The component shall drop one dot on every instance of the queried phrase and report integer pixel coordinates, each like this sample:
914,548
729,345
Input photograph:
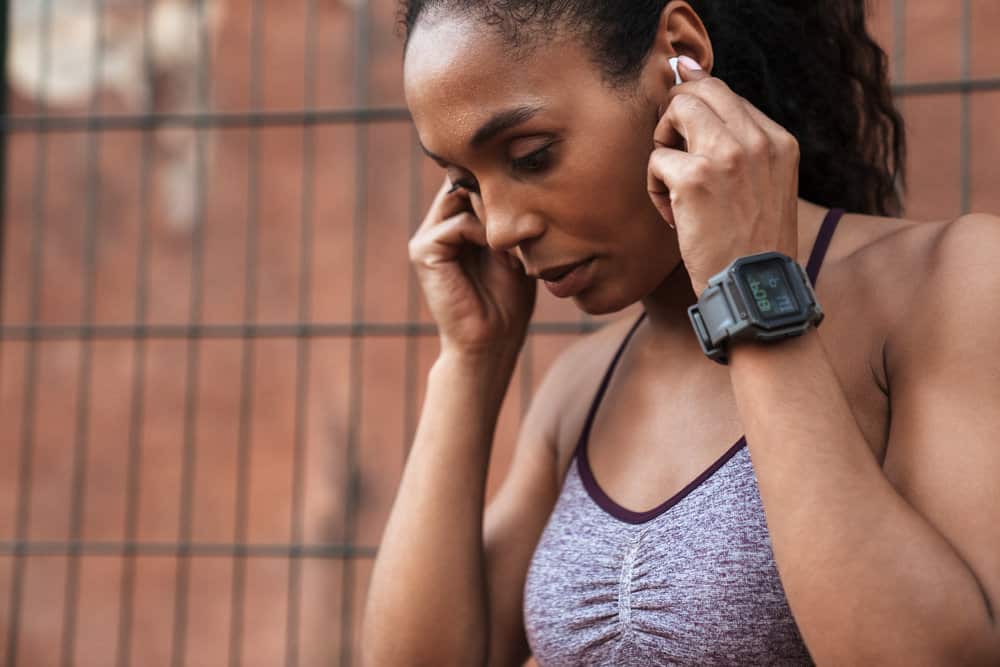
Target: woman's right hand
480,298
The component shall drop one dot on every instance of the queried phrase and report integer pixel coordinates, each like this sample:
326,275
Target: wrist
480,357
484,373
747,353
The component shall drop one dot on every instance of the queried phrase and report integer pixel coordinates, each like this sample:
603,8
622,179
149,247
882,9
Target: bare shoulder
882,244
967,245
876,268
889,286
956,280
915,248
569,386
894,275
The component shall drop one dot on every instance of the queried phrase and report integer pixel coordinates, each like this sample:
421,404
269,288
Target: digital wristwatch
765,297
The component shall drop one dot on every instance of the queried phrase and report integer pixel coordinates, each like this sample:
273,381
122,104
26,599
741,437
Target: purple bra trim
629,516
822,243
816,257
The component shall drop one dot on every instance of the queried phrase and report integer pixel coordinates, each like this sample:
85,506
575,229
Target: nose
508,225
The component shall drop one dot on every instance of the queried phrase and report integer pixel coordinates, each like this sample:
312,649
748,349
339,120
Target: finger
691,124
690,69
684,115
444,241
446,203
783,140
670,175
671,171
762,119
689,73
731,110
666,135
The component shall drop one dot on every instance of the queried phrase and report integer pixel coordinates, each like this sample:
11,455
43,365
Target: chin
594,302
615,291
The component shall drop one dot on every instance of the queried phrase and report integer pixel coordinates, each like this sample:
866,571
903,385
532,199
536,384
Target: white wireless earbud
677,75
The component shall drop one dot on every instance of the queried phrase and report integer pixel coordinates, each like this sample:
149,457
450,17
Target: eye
533,162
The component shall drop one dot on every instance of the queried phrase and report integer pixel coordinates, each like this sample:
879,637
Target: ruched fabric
696,585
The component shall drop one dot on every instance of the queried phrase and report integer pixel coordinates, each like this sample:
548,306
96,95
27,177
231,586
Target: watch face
767,284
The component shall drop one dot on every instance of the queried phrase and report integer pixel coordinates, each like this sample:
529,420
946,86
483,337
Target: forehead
458,72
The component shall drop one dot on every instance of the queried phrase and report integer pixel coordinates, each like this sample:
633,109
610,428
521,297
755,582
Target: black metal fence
27,334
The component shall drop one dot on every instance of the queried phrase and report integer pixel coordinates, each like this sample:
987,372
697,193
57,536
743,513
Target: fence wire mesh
213,351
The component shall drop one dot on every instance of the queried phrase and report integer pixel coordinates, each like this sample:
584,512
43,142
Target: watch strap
713,320
721,314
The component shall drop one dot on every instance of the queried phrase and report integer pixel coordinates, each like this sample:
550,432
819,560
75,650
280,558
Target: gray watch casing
765,297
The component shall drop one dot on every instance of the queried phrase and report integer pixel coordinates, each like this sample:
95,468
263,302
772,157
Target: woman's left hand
734,191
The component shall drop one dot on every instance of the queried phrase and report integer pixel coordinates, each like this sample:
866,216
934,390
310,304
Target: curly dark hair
811,65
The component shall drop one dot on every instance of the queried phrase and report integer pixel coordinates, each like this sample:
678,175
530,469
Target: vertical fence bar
898,40
966,136
899,73
361,59
302,347
133,474
244,439
193,350
88,309
25,472
4,30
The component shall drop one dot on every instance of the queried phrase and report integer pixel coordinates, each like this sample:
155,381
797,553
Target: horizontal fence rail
36,123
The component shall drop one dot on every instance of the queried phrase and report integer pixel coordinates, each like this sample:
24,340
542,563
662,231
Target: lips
557,273
568,280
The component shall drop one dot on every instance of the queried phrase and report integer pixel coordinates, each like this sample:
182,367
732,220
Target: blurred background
212,350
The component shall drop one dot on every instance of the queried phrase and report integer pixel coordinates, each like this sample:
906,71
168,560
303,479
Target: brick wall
217,424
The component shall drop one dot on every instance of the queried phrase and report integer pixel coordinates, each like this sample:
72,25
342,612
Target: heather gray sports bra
690,582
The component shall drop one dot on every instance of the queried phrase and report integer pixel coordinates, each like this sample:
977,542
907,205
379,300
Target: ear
680,33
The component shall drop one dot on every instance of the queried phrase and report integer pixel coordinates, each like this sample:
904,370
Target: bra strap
822,243
820,247
599,396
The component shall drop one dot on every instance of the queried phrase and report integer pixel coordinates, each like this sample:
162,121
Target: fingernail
689,63
677,75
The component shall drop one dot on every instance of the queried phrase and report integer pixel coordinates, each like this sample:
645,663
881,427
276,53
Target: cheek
649,253
614,188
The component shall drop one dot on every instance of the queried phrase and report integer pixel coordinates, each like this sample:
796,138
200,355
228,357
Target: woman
856,519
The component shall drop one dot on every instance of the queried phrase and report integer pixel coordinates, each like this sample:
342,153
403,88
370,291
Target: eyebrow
500,122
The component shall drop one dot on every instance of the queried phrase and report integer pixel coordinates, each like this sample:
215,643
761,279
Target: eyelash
539,161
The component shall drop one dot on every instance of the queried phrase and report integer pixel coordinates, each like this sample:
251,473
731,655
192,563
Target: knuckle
415,249
698,174
653,162
663,125
790,145
731,159
714,84
459,219
759,146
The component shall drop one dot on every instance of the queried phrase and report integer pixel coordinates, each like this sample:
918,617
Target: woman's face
563,181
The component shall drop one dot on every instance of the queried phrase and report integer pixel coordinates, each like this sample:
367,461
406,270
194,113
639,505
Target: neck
666,307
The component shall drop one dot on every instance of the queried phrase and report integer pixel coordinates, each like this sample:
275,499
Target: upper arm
943,452
515,518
